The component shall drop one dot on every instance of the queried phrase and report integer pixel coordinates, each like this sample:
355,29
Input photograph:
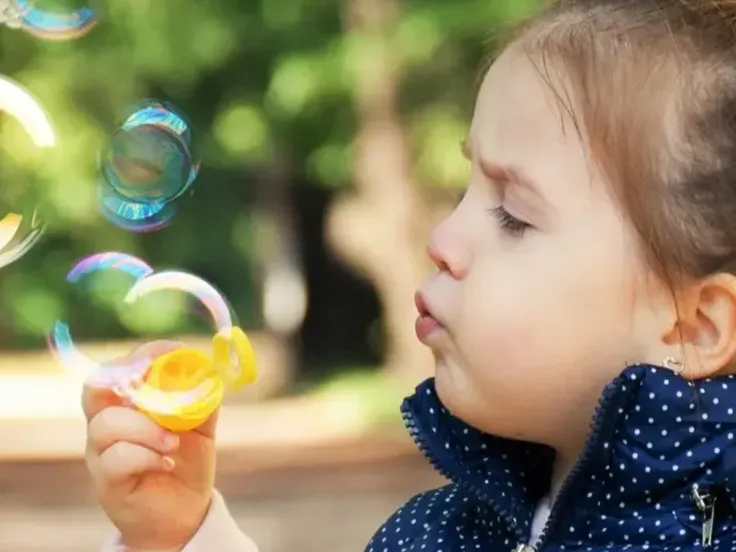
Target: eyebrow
503,175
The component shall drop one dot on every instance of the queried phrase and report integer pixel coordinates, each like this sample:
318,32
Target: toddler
582,313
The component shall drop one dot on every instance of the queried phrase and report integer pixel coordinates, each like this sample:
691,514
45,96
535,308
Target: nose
447,248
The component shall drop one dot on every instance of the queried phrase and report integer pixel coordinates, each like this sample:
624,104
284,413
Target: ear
705,329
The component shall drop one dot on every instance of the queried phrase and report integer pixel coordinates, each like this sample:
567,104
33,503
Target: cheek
535,341
547,309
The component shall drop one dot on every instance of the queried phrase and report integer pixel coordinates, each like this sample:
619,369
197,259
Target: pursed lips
426,323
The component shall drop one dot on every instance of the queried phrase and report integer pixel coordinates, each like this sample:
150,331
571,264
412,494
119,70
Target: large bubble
179,389
147,165
47,19
20,223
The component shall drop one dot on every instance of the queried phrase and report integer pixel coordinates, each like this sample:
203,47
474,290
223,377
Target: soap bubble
133,216
18,233
20,224
178,389
146,167
50,23
149,158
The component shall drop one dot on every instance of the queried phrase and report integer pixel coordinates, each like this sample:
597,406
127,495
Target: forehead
520,123
513,93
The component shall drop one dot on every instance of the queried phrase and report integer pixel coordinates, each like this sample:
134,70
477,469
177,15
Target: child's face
535,323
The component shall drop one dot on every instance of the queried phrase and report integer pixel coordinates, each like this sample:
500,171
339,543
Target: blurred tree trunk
380,226
281,268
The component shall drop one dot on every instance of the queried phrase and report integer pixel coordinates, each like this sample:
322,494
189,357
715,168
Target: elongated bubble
176,388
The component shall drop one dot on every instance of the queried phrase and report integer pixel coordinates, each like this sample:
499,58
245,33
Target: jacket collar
653,436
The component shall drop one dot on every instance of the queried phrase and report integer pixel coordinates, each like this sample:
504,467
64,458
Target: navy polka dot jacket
658,473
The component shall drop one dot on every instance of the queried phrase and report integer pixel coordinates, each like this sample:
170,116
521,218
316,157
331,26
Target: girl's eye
509,224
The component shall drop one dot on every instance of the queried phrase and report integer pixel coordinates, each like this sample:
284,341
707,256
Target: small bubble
47,19
134,216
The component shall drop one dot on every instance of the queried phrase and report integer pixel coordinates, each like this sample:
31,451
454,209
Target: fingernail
169,463
171,441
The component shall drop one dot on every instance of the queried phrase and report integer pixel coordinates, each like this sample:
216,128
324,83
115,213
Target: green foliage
252,76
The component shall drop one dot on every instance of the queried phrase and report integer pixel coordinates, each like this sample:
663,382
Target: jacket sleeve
217,532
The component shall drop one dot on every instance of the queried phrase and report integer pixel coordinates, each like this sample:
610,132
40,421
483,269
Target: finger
123,460
95,398
120,423
208,428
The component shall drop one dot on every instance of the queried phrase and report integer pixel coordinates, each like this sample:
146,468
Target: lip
421,303
426,324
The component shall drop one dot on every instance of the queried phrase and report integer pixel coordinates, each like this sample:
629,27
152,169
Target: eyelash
509,223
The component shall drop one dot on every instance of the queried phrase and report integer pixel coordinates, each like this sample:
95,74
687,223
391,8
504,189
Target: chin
457,403
456,392
449,383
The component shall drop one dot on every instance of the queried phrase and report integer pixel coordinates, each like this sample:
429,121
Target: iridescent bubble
44,20
60,339
149,157
179,389
134,216
20,224
18,233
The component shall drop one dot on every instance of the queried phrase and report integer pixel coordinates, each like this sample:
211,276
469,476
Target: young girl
582,314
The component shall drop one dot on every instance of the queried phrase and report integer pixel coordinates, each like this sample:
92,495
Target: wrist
163,542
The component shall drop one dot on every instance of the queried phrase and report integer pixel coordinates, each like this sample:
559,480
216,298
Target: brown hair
654,85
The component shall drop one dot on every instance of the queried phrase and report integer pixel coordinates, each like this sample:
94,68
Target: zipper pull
706,503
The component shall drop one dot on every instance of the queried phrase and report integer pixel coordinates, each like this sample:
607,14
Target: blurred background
329,136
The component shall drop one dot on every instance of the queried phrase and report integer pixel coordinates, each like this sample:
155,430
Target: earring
677,366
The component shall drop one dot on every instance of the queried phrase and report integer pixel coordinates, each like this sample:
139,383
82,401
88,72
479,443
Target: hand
154,486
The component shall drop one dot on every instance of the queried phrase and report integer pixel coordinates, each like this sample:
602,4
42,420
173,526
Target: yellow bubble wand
182,388
185,386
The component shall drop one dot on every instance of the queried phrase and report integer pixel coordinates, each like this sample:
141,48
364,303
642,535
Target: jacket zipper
706,503
421,444
569,486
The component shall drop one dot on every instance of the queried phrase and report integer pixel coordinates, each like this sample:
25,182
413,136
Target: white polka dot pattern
653,437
